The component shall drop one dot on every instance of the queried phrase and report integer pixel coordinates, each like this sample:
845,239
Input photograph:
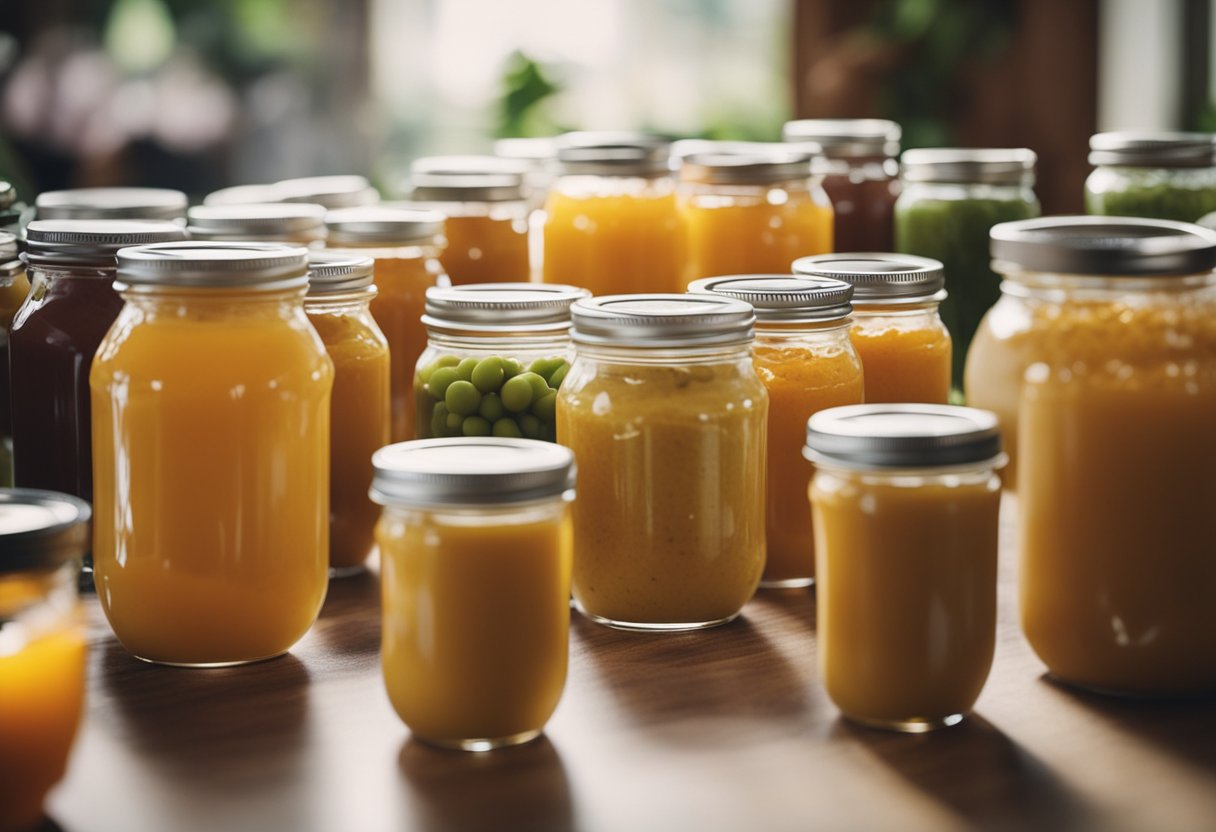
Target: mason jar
299,223
1162,175
161,204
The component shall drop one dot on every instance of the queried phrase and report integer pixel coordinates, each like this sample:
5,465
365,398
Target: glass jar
485,205
300,223
906,504
612,222
55,333
43,647
860,175
897,329
751,212
806,361
14,287
1102,356
112,204
480,338
338,305
475,575
667,417
332,192
952,197
211,398
405,244
1169,176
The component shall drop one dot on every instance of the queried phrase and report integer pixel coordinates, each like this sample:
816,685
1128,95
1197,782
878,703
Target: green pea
544,367
441,379
462,397
475,426
511,368
488,374
516,394
491,407
454,421
465,368
447,361
439,420
507,428
545,408
423,375
530,426
559,375
540,387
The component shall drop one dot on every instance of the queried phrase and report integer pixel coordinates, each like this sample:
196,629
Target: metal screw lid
611,153
847,138
499,307
471,471
967,165
1153,149
41,530
92,243
112,203
662,321
467,179
331,273
878,436
330,191
1103,246
782,298
256,222
880,277
382,224
746,167
214,265
8,246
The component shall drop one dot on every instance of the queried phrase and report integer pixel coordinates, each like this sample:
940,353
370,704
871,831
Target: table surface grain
727,729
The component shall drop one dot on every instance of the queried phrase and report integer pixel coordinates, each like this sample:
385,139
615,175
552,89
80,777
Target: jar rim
41,530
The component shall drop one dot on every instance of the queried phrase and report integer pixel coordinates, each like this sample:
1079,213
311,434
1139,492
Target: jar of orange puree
664,410
804,357
475,575
43,535
906,501
1101,354
904,346
211,397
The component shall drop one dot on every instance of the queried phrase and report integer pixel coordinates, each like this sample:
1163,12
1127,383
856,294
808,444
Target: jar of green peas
496,355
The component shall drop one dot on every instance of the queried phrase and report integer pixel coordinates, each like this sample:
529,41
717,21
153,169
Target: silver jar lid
847,138
878,436
8,195
498,307
92,243
384,224
970,165
471,471
331,273
41,530
880,277
112,204
662,321
8,246
214,265
243,195
746,167
256,222
532,149
331,191
1153,149
611,153
467,179
1103,246
783,298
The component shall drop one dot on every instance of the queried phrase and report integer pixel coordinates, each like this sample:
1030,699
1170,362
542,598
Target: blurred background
199,94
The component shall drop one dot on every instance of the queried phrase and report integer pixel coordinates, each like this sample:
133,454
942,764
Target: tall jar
157,204
211,397
1101,355
952,197
14,287
43,647
475,577
612,222
1168,176
668,420
299,223
56,331
860,174
496,355
751,212
405,245
338,305
897,328
805,359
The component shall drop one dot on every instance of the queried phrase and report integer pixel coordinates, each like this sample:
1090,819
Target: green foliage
527,87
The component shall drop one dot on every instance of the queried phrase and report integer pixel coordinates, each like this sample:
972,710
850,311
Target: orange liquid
906,357
211,466
486,249
11,298
476,620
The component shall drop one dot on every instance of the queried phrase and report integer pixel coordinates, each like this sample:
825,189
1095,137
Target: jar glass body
211,509
359,419
671,444
1182,194
476,609
487,242
863,193
13,290
906,594
906,351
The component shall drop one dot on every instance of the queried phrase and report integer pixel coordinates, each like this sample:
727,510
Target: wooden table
727,729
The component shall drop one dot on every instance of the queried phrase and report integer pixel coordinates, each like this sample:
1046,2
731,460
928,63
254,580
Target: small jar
612,222
54,336
806,361
14,287
481,338
475,576
897,329
952,197
1101,357
860,175
338,305
211,398
405,244
1168,176
484,201
332,192
751,212
906,503
43,647
299,223
668,419
112,204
